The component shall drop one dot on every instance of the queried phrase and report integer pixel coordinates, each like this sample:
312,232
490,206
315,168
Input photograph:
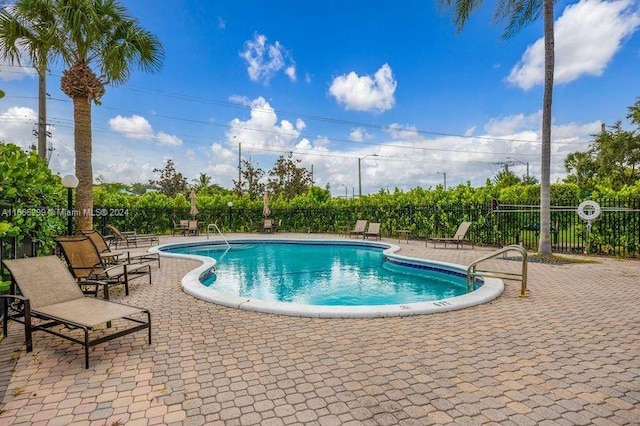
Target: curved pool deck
567,354
191,284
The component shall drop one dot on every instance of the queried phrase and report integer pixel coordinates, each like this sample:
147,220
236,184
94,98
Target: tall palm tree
519,14
25,26
100,34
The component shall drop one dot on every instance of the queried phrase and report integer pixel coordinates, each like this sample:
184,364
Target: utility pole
444,174
240,166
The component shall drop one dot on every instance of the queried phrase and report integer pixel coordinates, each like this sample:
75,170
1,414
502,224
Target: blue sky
336,81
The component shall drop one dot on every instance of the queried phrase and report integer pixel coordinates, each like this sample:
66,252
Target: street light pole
360,172
70,182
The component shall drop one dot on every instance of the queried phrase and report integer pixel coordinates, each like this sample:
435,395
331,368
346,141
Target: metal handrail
472,272
215,225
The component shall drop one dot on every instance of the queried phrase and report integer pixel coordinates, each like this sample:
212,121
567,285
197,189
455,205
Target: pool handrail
472,272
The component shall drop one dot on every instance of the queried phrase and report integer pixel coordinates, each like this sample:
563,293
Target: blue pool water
323,274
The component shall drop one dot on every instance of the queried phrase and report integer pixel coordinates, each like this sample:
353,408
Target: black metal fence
615,233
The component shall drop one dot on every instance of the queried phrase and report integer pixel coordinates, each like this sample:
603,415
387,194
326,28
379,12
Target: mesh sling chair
373,230
359,229
459,238
89,269
131,238
115,257
51,301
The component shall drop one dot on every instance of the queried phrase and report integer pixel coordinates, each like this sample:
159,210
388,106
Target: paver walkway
567,355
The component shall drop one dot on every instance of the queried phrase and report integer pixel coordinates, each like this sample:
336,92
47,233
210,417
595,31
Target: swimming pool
325,278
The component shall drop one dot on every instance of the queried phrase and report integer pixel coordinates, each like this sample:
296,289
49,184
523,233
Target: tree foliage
171,182
86,35
251,184
32,199
612,160
287,179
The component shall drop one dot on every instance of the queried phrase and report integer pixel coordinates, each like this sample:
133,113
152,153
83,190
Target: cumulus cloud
262,129
17,124
359,134
137,127
365,93
513,124
265,60
399,131
587,35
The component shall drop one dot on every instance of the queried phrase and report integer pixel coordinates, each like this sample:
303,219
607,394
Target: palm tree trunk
84,170
544,247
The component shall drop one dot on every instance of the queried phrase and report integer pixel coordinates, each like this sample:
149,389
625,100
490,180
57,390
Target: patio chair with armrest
51,301
192,227
117,257
359,229
130,238
373,230
181,227
459,238
90,271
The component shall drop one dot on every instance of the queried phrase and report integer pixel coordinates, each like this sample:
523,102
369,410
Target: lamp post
360,173
230,205
444,174
70,182
523,163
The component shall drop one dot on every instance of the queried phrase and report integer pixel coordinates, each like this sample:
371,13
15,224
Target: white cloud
399,131
240,100
17,125
137,127
587,35
8,73
266,60
134,127
359,134
263,130
366,93
512,124
165,139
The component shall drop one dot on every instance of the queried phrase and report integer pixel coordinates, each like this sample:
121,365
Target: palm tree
25,26
519,14
83,33
97,33
202,181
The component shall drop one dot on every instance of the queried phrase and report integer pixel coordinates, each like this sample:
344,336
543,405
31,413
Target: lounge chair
181,227
359,229
373,230
459,238
50,298
116,257
131,238
90,270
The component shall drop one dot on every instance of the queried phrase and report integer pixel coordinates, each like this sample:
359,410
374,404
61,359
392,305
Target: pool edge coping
490,290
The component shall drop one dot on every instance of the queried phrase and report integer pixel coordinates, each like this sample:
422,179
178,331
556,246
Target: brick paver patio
567,355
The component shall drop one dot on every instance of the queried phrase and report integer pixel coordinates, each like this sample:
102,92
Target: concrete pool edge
490,290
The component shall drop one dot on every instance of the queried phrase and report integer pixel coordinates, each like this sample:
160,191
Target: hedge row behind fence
616,232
